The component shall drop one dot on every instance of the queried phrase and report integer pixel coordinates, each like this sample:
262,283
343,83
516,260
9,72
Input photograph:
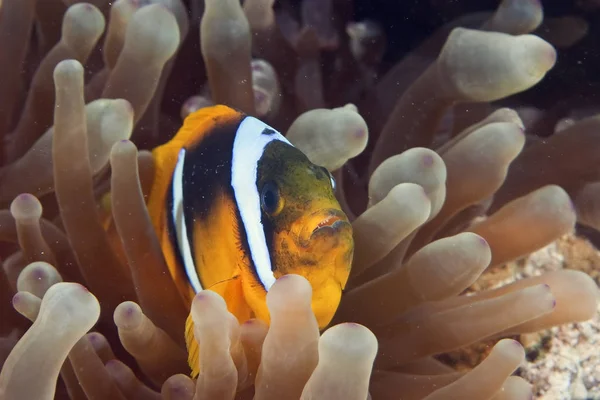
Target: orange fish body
236,206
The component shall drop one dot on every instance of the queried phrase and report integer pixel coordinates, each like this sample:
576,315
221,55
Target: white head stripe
179,222
248,148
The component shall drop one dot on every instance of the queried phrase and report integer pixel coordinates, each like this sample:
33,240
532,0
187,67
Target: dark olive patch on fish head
299,182
303,188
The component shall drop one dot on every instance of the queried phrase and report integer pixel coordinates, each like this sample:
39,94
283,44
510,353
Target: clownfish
235,206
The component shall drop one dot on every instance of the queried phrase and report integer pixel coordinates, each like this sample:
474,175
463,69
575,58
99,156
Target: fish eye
269,198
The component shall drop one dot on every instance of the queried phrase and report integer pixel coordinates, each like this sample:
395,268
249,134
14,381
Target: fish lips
332,224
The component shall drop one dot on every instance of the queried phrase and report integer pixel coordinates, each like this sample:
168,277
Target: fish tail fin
192,346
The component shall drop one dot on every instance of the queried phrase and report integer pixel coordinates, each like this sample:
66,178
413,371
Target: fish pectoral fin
231,290
192,347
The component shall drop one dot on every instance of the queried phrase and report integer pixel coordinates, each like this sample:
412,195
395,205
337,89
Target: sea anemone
442,183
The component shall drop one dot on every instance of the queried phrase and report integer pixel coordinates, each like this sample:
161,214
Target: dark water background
574,79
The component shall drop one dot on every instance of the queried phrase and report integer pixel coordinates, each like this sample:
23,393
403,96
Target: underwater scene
300,199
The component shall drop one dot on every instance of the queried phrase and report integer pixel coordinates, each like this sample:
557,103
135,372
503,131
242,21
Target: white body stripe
248,148
179,222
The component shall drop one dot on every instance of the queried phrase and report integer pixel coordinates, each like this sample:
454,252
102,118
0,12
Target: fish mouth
332,221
